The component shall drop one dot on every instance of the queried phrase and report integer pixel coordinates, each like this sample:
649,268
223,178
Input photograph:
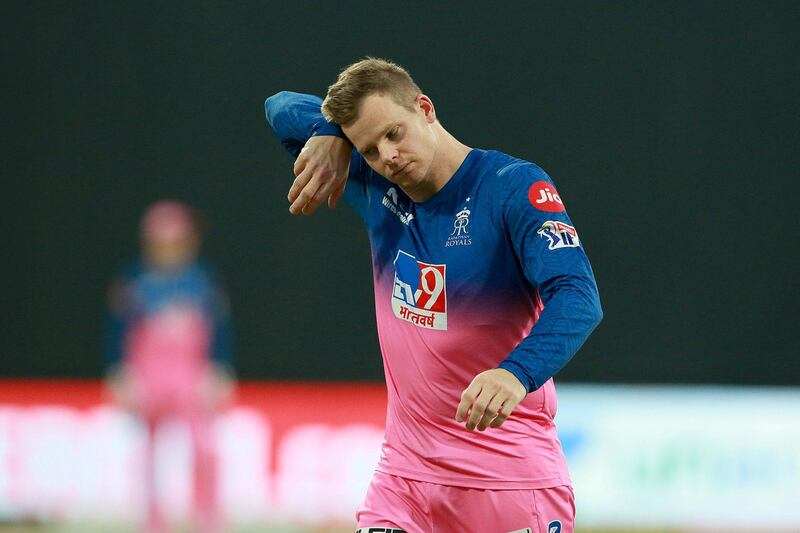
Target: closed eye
393,134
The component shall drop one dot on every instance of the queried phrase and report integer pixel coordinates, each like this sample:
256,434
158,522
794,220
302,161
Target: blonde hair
342,104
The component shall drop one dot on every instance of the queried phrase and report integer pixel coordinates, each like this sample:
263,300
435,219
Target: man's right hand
321,174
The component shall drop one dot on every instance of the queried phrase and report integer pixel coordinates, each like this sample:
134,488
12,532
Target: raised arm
323,152
296,117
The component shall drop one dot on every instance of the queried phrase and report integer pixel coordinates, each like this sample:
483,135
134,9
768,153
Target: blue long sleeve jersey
493,253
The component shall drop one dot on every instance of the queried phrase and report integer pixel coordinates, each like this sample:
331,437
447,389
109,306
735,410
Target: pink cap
168,220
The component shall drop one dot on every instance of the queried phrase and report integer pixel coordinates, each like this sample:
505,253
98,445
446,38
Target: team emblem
461,223
460,235
559,234
419,295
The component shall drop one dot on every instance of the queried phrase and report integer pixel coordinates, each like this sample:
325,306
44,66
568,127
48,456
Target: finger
305,196
301,162
505,412
323,192
336,195
491,413
314,202
467,397
299,184
326,184
478,409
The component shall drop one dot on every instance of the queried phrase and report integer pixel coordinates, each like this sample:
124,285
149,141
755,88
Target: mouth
401,170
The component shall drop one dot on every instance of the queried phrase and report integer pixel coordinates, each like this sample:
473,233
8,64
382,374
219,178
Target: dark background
670,128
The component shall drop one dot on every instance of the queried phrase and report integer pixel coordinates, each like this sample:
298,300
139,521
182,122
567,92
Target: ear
425,105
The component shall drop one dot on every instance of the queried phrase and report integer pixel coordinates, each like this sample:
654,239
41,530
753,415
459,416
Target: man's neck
449,158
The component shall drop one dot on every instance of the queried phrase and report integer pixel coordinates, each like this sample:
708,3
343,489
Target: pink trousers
205,509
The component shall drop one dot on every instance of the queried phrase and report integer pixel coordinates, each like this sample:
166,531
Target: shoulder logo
419,295
559,234
544,197
460,235
391,201
554,526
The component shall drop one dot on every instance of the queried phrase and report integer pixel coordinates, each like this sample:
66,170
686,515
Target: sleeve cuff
323,127
519,372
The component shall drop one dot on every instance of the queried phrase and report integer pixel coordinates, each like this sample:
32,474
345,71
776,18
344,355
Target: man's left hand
489,399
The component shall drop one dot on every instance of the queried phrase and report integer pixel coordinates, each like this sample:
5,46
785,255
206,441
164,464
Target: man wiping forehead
482,293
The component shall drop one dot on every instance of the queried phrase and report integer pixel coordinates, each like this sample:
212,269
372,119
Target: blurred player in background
169,348
482,293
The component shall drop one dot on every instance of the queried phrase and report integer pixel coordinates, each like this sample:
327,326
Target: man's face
170,253
398,143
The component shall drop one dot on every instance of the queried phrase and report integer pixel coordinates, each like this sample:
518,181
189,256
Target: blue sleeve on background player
118,317
295,118
220,312
114,335
556,266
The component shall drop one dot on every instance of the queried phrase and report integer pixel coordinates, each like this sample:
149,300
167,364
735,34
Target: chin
410,180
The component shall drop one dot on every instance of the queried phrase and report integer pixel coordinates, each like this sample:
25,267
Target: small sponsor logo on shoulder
559,234
554,526
391,201
419,295
543,196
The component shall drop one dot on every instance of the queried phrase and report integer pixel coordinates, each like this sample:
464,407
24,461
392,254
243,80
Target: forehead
378,113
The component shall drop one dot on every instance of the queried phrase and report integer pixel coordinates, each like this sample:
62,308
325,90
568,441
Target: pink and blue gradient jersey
143,298
489,272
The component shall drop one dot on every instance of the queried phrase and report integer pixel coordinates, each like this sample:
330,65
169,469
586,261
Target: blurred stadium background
671,129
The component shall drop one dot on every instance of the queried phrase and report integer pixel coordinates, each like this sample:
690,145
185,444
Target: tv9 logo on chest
419,294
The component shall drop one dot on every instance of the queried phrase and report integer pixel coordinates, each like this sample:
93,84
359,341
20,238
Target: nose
388,154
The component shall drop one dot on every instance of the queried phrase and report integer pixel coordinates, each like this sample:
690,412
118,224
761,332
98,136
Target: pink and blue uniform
489,272
167,329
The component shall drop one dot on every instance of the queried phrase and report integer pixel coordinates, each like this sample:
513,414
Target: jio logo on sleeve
544,197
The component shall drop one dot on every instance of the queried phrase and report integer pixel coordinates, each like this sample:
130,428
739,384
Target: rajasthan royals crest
460,235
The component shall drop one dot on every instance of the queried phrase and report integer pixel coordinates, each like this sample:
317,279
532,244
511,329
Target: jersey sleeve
554,263
222,345
119,316
295,118
115,326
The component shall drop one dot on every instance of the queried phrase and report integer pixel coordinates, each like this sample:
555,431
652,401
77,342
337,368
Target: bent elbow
598,317
597,312
277,97
274,103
